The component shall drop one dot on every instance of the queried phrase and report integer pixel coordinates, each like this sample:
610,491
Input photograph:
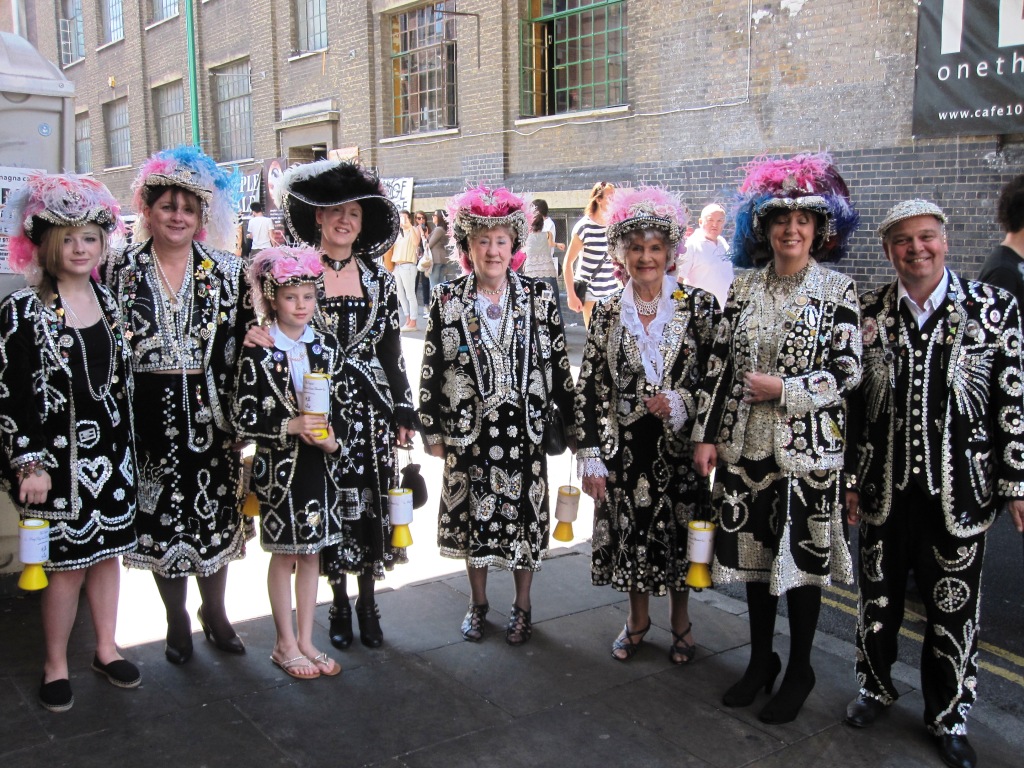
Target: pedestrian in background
589,275
706,262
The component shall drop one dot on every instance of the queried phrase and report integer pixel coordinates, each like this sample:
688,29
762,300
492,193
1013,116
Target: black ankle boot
370,633
758,675
341,625
793,692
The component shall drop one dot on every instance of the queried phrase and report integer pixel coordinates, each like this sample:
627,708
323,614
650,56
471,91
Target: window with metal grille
423,69
572,56
164,9
169,106
72,32
119,136
311,25
83,144
113,20
232,92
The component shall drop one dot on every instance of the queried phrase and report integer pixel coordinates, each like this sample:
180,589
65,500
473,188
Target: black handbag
580,286
555,440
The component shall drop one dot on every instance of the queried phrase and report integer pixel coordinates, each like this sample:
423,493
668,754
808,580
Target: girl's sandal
624,642
327,666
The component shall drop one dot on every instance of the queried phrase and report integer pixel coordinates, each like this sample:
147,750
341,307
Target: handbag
555,441
425,263
580,287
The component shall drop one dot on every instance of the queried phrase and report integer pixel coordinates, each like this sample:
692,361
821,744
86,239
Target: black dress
71,422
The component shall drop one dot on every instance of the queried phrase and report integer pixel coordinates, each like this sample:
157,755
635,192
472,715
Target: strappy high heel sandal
473,624
682,652
520,628
624,642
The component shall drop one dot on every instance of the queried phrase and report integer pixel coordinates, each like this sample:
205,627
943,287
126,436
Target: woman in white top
590,246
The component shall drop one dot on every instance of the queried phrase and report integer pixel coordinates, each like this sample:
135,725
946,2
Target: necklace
493,310
646,307
174,299
101,394
338,265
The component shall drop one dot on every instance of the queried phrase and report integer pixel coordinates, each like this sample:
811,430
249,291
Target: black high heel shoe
340,630
370,633
743,692
793,692
178,654
233,644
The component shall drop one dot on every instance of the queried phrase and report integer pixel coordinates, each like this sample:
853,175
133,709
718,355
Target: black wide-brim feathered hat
326,183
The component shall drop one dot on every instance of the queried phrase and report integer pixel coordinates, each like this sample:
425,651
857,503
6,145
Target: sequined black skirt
188,520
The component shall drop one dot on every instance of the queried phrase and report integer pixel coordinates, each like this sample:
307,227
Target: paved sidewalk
427,698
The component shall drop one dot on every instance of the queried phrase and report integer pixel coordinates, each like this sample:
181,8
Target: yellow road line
910,634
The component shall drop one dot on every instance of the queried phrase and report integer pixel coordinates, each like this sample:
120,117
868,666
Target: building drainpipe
193,85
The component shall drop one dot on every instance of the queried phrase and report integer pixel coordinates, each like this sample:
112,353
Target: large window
423,69
169,107
164,9
310,25
83,144
72,32
113,20
232,92
119,136
573,56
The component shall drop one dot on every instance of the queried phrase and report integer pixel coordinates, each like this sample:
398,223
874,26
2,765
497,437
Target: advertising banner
970,68
399,192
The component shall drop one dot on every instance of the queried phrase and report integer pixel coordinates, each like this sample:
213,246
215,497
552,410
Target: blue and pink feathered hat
808,182
189,168
51,200
274,268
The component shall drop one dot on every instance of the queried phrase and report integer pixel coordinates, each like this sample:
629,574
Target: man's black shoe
862,711
956,751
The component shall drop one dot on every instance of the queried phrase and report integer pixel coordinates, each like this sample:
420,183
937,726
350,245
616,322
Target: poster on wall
970,68
250,188
11,179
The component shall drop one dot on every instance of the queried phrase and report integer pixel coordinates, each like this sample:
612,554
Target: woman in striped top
587,257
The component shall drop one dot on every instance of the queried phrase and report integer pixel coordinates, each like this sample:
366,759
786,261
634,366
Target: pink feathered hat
54,200
275,268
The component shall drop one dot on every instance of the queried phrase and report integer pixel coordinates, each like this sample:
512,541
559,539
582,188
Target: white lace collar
649,339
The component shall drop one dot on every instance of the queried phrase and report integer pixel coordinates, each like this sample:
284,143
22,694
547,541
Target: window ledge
570,116
411,137
111,44
118,168
156,24
74,63
308,54
241,161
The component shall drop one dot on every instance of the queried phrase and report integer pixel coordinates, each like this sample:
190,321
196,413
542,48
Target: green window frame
572,56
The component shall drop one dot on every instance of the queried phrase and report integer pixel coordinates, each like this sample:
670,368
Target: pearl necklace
493,310
646,308
104,389
174,300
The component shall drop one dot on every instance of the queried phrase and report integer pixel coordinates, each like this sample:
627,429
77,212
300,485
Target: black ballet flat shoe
370,633
743,692
786,704
233,644
121,672
178,654
863,711
956,751
340,630
56,695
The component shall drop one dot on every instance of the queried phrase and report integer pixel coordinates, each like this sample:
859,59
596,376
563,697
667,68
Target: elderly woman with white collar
646,351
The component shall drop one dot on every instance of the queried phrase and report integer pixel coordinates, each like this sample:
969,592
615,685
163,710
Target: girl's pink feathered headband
282,266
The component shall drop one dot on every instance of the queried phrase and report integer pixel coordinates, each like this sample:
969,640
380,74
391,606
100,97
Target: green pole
193,85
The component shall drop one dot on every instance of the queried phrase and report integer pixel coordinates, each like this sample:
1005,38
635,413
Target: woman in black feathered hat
340,208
